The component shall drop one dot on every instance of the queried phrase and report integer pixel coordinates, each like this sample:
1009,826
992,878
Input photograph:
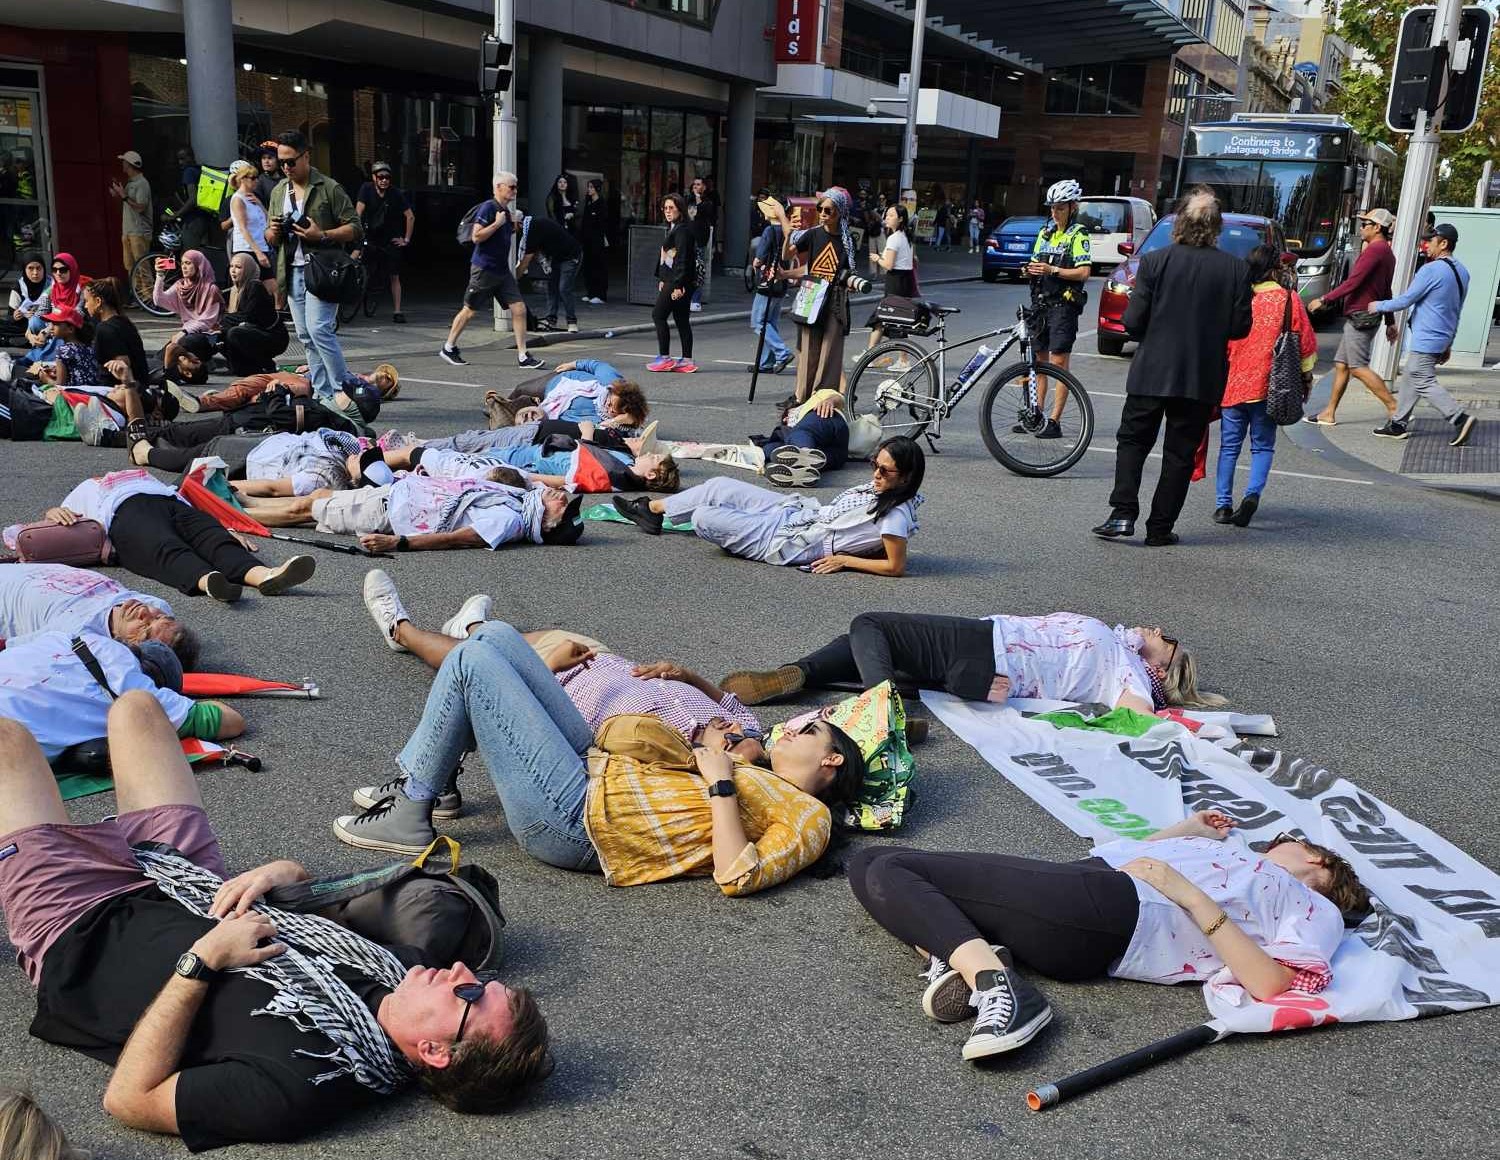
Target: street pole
504,124
1482,190
1416,188
913,87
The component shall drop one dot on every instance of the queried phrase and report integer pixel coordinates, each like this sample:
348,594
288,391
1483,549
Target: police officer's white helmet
1062,191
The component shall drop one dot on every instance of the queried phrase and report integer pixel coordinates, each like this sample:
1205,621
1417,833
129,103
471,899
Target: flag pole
1050,1094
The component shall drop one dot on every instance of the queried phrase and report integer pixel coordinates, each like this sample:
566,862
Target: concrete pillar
209,35
737,174
972,177
544,120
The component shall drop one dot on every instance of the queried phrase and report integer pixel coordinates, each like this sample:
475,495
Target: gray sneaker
447,808
396,824
946,998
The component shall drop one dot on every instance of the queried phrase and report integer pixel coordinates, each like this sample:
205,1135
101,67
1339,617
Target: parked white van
1111,221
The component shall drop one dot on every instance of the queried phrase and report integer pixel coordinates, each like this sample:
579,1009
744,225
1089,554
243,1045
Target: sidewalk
1424,457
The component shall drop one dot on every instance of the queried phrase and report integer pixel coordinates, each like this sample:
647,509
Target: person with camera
1060,264
823,255
770,291
388,221
310,212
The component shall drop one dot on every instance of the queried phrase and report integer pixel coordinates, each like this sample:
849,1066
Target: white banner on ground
1431,945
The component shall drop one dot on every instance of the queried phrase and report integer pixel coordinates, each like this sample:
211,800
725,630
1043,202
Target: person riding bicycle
388,219
1060,264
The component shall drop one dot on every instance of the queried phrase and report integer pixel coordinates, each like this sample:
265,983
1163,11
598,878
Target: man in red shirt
1369,281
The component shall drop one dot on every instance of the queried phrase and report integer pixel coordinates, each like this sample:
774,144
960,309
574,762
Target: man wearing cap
135,209
1368,281
1435,298
388,220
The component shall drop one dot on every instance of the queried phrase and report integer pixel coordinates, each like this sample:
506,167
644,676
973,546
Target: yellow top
649,819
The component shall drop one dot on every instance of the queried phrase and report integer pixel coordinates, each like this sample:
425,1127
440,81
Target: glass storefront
25,214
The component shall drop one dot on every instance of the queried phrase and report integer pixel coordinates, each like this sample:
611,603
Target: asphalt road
787,1025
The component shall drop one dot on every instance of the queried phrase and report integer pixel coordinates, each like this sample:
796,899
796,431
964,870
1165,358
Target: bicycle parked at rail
912,395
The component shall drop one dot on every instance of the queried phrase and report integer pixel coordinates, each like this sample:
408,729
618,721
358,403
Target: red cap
68,314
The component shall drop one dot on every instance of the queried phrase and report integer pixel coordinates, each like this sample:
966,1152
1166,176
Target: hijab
841,199
198,296
64,296
31,291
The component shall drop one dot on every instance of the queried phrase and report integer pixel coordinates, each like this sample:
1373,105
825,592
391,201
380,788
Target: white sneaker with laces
475,610
385,606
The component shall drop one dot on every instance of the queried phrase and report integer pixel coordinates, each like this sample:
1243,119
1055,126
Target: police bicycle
912,395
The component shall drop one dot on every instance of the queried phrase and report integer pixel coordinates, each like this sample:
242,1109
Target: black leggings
164,539
252,350
1068,920
952,653
176,445
681,312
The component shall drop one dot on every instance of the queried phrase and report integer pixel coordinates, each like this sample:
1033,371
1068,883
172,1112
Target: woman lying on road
637,811
1187,902
1062,656
866,527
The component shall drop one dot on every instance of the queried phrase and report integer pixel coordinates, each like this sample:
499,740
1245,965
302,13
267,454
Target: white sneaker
696,308
650,444
475,610
385,605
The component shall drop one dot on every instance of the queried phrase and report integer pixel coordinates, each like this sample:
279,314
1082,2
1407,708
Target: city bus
1309,172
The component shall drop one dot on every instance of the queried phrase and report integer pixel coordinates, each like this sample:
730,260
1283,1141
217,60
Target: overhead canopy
1085,32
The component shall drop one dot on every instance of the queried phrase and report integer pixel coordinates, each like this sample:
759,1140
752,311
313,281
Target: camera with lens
852,281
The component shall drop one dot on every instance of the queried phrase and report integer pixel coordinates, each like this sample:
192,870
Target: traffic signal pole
1417,184
504,125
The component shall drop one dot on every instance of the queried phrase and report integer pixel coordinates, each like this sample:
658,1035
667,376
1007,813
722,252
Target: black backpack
465,231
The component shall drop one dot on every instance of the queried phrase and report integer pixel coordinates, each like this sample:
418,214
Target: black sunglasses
471,993
382,176
60,269
286,162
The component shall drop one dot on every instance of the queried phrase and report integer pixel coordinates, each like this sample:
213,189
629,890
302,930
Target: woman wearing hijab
28,297
194,297
62,294
824,253
253,333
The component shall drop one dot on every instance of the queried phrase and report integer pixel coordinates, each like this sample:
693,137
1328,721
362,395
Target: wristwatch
724,788
190,966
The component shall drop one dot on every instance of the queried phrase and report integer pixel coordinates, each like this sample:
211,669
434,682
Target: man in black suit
1189,300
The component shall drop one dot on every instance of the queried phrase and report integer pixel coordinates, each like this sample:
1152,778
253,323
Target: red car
1242,232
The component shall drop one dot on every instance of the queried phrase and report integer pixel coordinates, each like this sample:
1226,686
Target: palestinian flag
196,489
235,685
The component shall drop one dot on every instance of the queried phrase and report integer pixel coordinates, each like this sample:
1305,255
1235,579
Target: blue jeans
315,320
768,310
560,290
1232,424
494,693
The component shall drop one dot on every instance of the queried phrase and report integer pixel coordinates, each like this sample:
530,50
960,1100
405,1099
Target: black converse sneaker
1010,1012
946,998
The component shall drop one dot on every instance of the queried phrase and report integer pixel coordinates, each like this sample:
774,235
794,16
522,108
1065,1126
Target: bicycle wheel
143,281
375,281
1014,419
347,310
901,388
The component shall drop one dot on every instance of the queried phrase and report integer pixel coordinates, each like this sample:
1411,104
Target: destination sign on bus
1270,145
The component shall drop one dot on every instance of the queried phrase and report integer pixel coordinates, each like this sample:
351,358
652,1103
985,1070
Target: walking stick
760,345
328,545
1048,1095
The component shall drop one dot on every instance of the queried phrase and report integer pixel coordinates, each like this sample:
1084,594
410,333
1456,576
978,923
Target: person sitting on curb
1157,910
587,390
227,1021
863,529
46,686
59,598
812,437
159,535
629,800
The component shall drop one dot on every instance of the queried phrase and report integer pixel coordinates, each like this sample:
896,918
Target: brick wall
833,35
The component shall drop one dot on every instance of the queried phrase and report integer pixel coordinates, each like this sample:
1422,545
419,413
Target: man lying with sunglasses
226,1020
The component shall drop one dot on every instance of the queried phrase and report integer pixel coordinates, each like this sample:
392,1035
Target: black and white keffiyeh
306,989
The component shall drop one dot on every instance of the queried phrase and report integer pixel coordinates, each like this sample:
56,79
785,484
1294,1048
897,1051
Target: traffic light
494,66
1418,70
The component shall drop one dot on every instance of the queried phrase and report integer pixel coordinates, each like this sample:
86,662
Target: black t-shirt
242,1079
117,337
385,217
824,250
545,236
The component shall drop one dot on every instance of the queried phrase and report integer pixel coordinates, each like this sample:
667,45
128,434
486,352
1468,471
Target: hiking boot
450,355
385,606
500,412
638,512
1010,1012
297,570
1463,427
446,809
946,998
474,610
1391,429
529,362
396,824
757,687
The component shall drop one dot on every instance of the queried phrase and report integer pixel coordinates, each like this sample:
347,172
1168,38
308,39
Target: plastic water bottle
981,356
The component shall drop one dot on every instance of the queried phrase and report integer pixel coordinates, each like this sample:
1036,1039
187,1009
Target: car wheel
1110,345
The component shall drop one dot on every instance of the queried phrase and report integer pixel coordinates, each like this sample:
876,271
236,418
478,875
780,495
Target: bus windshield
1302,196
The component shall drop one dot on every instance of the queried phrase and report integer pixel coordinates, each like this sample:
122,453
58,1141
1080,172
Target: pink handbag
83,544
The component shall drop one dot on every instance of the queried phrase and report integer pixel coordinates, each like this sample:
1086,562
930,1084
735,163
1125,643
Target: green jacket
327,205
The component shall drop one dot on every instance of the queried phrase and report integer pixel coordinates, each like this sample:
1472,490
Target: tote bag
1284,396
808,302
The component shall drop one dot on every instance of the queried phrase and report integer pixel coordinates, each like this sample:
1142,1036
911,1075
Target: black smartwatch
190,966
402,544
724,788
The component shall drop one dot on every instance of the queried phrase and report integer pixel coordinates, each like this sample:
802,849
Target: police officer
1060,264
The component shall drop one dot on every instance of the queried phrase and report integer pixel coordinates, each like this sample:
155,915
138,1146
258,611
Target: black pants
595,269
952,653
176,445
1068,920
164,539
681,312
1187,420
252,350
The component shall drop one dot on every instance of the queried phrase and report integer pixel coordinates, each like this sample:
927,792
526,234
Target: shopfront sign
796,31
